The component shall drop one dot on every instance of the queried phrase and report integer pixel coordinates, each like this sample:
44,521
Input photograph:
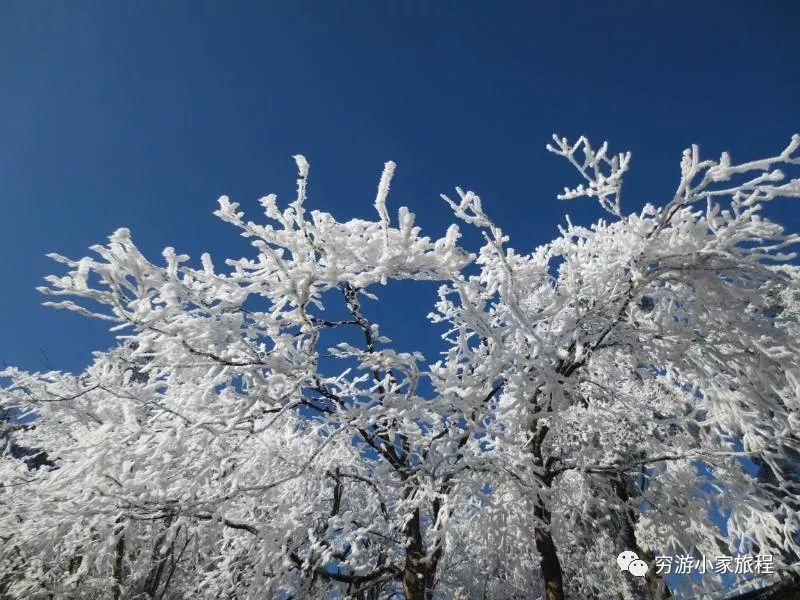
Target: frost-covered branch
254,432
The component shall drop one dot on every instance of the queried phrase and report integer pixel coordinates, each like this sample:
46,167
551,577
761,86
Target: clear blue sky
140,114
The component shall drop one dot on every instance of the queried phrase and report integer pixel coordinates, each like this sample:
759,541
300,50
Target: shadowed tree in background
255,435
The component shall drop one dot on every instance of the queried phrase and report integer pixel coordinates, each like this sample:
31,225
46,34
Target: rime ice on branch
628,385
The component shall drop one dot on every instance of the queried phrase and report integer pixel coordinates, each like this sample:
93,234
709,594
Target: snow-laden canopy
630,385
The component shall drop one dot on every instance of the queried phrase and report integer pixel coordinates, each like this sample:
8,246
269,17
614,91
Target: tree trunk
549,563
414,571
119,556
653,587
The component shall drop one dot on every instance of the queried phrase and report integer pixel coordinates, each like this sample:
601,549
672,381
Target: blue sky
141,114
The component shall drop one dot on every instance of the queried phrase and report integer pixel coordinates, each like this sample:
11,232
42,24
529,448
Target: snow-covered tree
614,389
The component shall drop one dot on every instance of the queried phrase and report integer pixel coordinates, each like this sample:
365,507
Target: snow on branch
602,173
255,433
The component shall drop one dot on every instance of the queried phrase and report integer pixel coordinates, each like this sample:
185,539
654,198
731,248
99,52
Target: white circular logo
625,559
637,568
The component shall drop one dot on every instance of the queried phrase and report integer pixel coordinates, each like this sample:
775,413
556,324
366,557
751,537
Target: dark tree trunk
545,546
119,556
414,571
653,587
549,563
